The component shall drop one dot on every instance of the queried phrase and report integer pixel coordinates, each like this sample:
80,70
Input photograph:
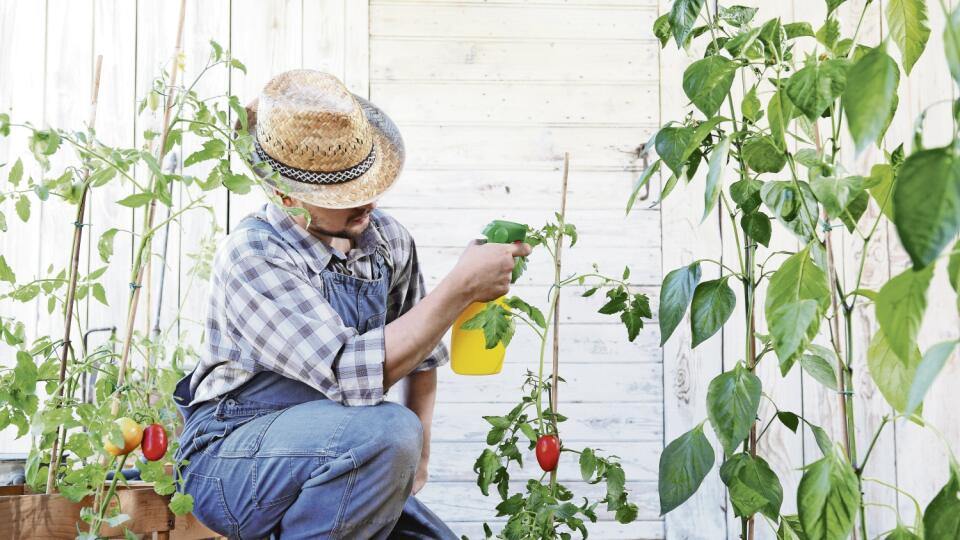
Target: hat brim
357,192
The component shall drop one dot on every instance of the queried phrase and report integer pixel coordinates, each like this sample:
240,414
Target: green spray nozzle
499,231
505,232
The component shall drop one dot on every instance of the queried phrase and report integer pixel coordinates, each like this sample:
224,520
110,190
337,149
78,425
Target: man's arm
420,397
482,274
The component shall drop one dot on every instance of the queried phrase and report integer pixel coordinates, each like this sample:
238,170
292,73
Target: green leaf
486,467
815,87
105,244
797,280
4,124
789,419
212,149
829,33
828,498
907,20
746,194
763,155
892,375
792,326
25,373
683,16
136,200
780,111
953,267
713,302
799,29
683,465
836,194
671,143
6,273
733,398
750,106
832,5
820,369
632,317
16,173
100,293
718,160
23,208
930,366
662,29
181,503
532,311
854,211
495,322
901,533
951,43
708,81
926,203
753,486
871,90
642,181
900,306
790,528
588,464
757,226
675,295
616,301
237,183
941,519
737,15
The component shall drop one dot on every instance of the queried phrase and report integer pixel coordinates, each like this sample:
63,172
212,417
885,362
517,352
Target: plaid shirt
267,310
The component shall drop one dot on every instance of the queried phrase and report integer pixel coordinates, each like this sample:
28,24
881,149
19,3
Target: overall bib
276,458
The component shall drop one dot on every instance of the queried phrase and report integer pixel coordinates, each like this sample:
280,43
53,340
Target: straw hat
331,148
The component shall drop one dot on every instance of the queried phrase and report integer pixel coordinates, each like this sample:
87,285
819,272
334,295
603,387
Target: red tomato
154,444
548,452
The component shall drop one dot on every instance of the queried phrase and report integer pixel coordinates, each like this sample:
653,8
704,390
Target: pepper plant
85,407
783,141
545,509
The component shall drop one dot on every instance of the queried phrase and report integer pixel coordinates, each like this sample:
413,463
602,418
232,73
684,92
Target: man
317,308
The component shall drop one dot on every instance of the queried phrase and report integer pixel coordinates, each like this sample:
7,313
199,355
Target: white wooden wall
489,95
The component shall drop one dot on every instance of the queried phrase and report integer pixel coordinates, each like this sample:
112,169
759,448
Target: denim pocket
210,505
245,435
374,322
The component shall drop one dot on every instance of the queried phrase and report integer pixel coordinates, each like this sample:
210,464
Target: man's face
332,222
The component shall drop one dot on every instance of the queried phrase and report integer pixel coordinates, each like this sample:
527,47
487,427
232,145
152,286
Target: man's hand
484,270
420,479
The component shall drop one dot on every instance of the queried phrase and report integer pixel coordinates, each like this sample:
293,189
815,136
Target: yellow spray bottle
468,351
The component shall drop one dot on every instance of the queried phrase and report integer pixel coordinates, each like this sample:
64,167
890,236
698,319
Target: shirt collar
316,252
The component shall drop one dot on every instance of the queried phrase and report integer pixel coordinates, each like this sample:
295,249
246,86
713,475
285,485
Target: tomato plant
782,143
83,405
545,508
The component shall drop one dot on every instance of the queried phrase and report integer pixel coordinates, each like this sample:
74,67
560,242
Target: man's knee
396,431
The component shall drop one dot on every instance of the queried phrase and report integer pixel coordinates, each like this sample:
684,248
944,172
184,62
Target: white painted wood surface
489,95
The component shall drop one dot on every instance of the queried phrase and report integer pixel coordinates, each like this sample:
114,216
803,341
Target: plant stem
117,472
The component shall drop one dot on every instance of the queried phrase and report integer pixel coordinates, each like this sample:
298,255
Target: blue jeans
317,469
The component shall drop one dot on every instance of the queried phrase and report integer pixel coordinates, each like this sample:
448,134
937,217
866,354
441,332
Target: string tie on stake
134,286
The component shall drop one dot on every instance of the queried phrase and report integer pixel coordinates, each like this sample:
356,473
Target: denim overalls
275,457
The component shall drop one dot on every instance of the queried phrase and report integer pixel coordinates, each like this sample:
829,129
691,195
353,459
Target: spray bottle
468,352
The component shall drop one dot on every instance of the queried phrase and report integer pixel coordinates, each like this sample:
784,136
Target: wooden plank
517,103
586,383
494,188
595,4
323,44
22,54
269,40
590,343
356,48
510,60
587,422
441,146
510,20
53,517
462,501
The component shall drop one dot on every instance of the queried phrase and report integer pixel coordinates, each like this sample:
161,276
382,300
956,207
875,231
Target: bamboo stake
554,384
148,222
72,284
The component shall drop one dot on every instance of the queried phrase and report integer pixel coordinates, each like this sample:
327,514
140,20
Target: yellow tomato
132,435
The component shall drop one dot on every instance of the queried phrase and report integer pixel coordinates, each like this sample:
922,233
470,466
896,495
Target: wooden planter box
24,515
